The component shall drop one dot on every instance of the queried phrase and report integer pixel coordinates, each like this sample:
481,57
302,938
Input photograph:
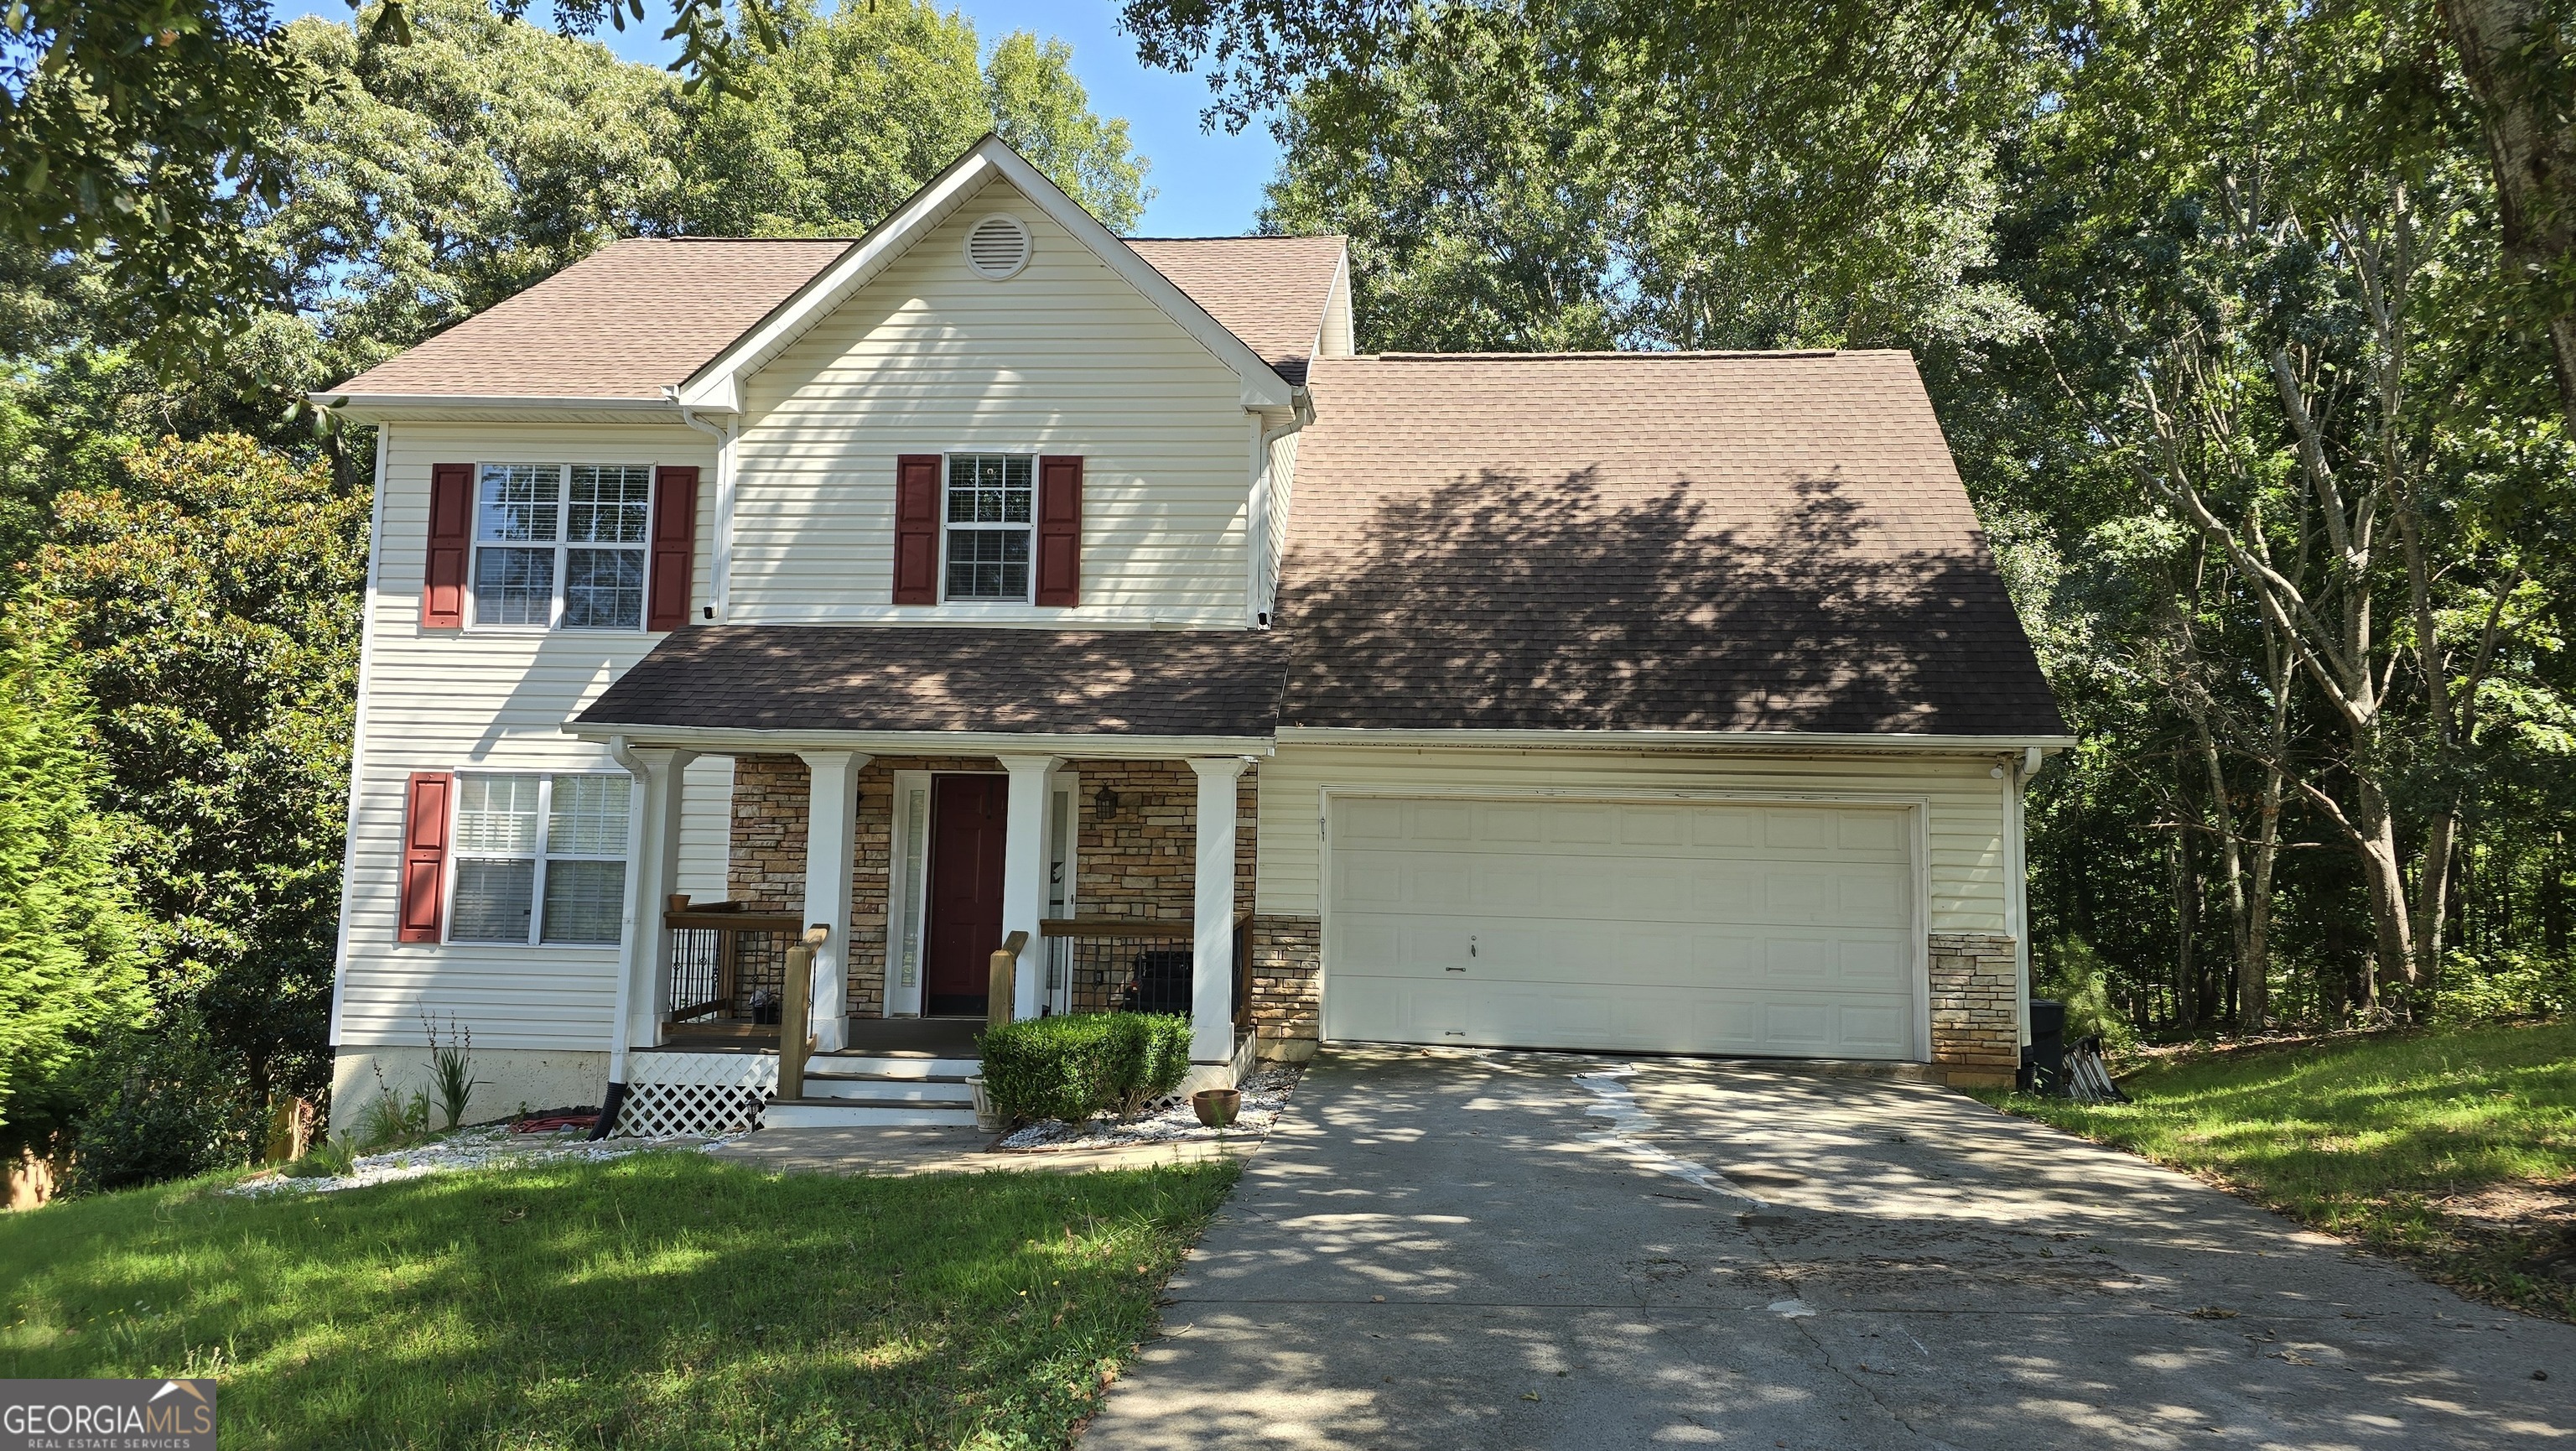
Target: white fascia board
464,407
718,384
718,741
1675,740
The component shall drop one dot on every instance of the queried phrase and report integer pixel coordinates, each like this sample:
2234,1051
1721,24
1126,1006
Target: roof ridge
1250,237
715,237
1658,354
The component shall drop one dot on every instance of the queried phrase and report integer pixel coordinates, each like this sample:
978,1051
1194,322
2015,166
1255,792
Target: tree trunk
2186,908
2231,863
2531,144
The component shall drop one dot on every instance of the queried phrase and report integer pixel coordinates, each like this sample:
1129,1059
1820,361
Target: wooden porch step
878,1065
834,1113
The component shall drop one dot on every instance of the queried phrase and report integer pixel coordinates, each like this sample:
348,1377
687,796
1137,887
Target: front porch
1077,884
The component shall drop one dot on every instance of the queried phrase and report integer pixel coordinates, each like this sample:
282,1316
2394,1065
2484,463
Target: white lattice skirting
695,1093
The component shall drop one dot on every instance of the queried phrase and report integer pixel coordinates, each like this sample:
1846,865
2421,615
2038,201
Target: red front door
966,815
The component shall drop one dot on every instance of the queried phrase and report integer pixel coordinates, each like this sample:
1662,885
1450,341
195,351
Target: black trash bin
2043,1060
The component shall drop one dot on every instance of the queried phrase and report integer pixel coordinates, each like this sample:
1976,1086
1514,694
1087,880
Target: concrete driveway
1450,1249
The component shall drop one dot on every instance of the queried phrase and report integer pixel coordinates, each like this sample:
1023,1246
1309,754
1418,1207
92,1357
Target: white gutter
1676,740
720,741
720,551
486,403
358,734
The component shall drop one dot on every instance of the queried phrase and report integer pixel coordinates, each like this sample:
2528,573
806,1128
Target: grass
660,1300
2456,1149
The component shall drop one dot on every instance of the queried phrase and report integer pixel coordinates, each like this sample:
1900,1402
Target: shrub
1078,1065
160,1106
2070,972
2503,987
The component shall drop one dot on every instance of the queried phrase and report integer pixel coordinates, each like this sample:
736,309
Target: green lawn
658,1300
2455,1148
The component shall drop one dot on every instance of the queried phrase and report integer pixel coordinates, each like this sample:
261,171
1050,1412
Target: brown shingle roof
934,678
638,315
1750,542
1269,291
622,322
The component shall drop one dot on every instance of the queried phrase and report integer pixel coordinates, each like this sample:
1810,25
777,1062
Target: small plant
391,1119
326,1159
451,1067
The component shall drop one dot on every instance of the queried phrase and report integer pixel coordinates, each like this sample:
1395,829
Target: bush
1075,1066
2503,987
160,1106
2070,973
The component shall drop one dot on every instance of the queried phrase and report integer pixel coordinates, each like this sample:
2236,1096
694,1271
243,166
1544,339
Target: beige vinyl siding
1964,804
1283,490
490,700
1063,358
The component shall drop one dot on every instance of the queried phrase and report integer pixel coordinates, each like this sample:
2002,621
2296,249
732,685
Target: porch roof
984,680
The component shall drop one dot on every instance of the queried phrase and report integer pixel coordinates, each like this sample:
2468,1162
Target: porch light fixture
1104,805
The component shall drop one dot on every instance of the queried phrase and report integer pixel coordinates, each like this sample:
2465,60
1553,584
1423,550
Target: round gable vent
997,247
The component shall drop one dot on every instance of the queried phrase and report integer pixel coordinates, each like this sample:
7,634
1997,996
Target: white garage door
1662,927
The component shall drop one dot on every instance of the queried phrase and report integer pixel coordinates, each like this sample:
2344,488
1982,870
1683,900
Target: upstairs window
561,546
540,859
990,512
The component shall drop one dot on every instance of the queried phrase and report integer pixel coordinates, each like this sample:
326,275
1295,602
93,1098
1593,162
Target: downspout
720,556
614,1100
1265,592
2017,875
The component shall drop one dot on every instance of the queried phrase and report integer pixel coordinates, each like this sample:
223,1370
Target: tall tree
210,609
68,970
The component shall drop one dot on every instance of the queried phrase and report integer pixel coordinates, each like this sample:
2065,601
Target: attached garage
1733,927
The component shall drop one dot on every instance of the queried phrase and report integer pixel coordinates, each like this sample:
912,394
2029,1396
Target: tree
68,970
211,610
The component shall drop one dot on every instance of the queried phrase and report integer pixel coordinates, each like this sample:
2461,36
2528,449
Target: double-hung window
990,513
561,546
539,859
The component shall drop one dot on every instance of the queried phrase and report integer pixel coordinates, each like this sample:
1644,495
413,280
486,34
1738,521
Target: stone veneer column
1976,1007
1287,986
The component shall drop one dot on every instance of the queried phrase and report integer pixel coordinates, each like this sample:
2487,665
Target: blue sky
1206,184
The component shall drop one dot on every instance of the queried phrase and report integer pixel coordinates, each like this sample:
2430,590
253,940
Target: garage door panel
1683,927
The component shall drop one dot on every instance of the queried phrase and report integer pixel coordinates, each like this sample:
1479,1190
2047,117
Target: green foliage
391,1119
68,969
326,1159
704,1304
211,611
158,1104
2069,972
2505,987
1073,1066
451,1067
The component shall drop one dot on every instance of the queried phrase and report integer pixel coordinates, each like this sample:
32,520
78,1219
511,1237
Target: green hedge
1078,1065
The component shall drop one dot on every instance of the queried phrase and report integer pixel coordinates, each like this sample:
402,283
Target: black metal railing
1115,964
728,964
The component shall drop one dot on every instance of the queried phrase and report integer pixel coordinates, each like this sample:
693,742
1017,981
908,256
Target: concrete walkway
1446,1249
897,1151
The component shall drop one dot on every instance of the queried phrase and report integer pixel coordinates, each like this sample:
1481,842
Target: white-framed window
988,518
561,546
539,858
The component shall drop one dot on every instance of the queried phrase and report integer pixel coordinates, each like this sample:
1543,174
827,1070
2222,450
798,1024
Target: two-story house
992,574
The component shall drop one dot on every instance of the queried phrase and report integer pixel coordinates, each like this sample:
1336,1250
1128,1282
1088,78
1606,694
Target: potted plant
1217,1107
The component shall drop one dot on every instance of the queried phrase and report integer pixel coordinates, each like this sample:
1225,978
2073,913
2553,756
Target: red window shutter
424,868
916,529
451,528
1060,529
675,548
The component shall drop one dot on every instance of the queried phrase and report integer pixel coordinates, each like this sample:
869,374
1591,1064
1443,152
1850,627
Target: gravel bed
1172,1121
492,1146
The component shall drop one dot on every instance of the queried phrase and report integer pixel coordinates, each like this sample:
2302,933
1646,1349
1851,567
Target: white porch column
831,826
1212,892
653,849
1024,875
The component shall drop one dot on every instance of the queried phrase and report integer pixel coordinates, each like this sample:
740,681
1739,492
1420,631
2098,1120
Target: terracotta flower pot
1217,1107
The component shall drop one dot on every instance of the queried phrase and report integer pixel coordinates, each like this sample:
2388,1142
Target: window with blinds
561,546
539,859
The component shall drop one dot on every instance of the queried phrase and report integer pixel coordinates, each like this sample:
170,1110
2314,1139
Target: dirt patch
2507,1244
